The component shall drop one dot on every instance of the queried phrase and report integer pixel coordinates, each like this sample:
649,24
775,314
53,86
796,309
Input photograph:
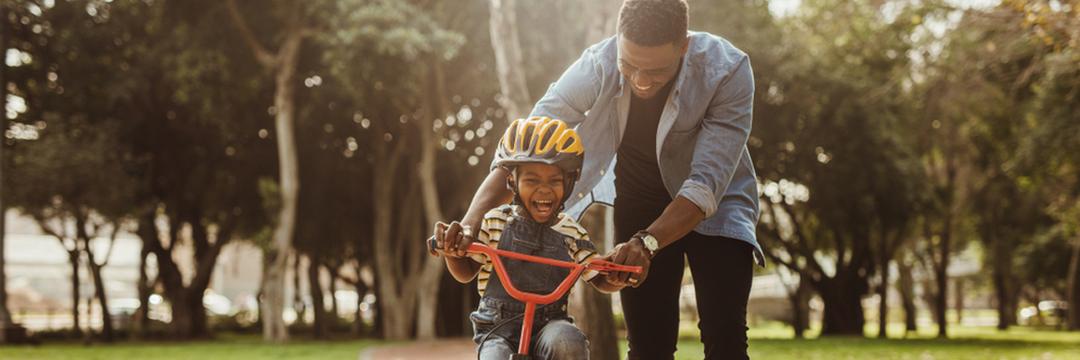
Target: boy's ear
510,182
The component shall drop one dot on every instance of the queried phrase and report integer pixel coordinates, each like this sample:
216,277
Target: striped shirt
578,245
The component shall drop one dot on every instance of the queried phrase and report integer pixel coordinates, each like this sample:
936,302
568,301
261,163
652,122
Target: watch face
650,242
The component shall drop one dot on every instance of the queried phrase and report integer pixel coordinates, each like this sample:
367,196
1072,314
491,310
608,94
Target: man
664,114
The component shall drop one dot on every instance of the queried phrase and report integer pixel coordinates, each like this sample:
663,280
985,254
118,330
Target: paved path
451,349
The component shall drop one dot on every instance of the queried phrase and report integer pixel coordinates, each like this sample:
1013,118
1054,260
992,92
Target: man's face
649,68
541,189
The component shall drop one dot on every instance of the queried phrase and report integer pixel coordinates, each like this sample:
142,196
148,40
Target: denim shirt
700,140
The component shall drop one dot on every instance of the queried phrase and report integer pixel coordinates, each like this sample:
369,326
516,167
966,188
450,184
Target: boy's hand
453,238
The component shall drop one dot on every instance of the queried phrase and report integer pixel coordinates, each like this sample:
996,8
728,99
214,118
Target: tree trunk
800,308
333,271
273,298
941,270
396,295
907,296
432,269
941,297
73,259
318,305
942,281
883,294
299,306
283,64
508,59
84,237
99,292
590,308
181,322
1073,292
358,317
958,299
196,312
141,324
289,179
843,307
5,314
1001,274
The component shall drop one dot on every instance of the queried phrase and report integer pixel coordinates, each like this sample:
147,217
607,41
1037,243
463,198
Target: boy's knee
566,342
571,347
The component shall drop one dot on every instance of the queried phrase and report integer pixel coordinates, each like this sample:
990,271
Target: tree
839,117
1053,141
5,315
508,58
282,64
399,34
76,208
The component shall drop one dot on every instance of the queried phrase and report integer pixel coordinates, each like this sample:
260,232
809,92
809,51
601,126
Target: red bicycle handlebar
532,299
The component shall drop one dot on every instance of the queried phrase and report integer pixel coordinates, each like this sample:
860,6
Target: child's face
541,189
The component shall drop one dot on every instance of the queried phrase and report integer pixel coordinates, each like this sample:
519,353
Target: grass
224,348
964,343
767,342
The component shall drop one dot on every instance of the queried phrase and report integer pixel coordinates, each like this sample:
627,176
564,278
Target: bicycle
531,300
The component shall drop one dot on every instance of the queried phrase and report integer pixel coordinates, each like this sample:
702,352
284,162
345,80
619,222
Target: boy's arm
583,250
464,267
451,237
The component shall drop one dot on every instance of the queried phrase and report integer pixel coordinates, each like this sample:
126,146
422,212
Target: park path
446,349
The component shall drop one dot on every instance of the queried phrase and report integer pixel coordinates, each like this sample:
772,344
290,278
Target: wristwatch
649,241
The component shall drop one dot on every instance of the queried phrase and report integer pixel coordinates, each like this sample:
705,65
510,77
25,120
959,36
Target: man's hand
631,253
453,238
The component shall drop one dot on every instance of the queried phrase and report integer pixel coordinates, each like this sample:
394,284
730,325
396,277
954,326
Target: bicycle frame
531,300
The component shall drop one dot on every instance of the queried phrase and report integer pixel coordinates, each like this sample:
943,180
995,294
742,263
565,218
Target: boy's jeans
559,339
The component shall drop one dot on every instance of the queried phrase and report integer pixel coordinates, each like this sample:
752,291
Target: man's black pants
722,270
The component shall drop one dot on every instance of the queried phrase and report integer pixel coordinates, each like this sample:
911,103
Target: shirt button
602,172
580,195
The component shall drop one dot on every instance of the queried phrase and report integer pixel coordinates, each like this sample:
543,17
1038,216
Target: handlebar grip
433,246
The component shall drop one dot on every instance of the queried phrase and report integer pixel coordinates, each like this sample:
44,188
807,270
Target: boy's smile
540,187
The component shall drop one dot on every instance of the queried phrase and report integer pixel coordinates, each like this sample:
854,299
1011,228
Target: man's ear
685,45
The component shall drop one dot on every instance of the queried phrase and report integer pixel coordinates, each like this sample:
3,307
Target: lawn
767,342
965,343
227,348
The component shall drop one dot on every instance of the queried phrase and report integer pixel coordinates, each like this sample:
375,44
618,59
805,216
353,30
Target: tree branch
262,55
801,245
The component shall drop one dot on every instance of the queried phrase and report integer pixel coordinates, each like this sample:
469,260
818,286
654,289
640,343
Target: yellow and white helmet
543,140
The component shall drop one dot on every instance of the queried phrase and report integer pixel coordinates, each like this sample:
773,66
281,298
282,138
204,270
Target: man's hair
654,22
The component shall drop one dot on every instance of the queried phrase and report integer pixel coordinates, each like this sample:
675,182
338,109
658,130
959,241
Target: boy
544,159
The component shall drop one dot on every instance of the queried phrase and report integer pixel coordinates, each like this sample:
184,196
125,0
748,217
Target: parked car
1045,313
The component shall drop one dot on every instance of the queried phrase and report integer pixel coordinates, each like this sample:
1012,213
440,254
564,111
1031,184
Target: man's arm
567,99
719,148
576,91
718,151
491,194
679,218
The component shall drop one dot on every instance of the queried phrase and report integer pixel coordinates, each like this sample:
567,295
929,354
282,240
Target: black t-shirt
638,184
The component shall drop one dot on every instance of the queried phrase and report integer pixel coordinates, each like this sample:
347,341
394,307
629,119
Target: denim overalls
523,235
